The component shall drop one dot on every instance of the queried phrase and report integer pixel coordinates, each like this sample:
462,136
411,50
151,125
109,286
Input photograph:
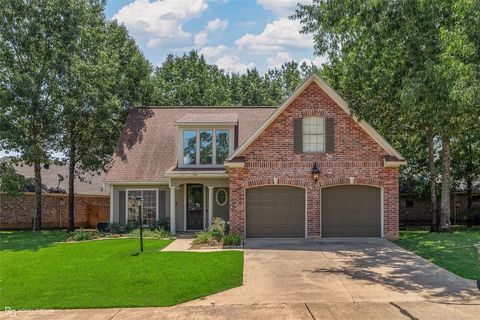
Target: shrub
156,234
203,237
116,228
162,224
218,226
81,235
132,225
231,240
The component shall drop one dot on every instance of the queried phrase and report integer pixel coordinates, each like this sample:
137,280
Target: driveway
339,270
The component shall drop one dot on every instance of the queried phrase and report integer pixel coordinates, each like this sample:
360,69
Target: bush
116,228
132,225
218,227
81,235
162,224
204,237
231,240
156,234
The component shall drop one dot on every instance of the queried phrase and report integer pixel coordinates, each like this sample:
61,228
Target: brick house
306,168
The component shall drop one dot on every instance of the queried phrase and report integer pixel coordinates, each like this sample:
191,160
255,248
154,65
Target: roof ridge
206,107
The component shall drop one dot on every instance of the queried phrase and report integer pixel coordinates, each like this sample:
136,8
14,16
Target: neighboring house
252,166
91,199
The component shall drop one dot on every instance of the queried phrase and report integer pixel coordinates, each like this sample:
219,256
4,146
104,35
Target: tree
388,59
28,114
102,74
11,183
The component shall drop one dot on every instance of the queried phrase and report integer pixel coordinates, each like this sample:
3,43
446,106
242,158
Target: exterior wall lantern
315,172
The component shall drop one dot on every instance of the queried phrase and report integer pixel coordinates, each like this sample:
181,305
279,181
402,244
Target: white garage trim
382,204
272,185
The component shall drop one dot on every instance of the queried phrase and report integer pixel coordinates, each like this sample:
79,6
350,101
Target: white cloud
160,20
282,8
213,52
201,38
279,59
317,61
217,24
279,35
232,63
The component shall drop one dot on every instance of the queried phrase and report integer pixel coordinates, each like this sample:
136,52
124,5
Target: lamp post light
315,172
137,203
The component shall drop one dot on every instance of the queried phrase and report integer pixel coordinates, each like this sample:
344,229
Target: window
222,197
205,146
313,134
222,138
189,147
150,206
409,204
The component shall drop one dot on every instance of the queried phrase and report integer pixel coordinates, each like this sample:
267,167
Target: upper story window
205,146
313,129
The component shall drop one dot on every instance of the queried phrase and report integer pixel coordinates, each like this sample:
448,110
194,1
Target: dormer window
206,139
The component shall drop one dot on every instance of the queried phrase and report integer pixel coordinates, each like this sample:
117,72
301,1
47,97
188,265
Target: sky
234,34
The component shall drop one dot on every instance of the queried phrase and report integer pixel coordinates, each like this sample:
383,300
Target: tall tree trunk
37,219
71,188
445,203
433,183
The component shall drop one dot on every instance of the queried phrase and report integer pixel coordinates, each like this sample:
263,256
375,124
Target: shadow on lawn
32,241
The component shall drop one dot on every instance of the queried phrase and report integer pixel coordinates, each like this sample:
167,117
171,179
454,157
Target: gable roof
91,184
377,137
148,145
213,118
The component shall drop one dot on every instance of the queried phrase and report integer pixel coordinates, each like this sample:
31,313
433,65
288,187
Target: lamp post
139,200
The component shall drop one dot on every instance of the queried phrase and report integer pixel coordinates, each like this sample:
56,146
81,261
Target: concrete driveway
339,270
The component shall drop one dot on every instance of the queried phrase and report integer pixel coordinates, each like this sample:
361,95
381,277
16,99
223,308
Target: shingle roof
149,142
93,185
208,118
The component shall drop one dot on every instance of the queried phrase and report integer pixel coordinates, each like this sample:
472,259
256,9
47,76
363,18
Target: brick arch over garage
356,181
294,182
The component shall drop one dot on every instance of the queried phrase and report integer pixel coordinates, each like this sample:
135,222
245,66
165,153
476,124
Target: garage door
275,212
351,211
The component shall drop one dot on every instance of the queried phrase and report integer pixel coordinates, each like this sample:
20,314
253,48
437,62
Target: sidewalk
305,311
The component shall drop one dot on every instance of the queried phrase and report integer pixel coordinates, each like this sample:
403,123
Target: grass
36,272
452,251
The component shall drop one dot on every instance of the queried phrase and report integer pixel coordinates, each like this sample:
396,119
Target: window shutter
162,204
329,135
297,135
122,212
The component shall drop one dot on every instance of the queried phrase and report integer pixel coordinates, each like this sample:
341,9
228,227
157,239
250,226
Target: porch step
185,235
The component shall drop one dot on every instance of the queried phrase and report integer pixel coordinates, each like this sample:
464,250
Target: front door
194,207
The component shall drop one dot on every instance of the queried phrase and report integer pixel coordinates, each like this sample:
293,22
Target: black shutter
297,135
162,204
329,135
122,212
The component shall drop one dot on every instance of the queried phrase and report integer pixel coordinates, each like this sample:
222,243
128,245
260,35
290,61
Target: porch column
172,210
210,206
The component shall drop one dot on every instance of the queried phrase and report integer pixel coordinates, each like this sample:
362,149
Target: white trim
205,124
391,164
226,198
335,97
272,185
234,164
111,204
382,219
173,227
141,189
190,174
134,183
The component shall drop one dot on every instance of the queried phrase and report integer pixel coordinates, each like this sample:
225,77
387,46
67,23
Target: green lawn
38,273
453,251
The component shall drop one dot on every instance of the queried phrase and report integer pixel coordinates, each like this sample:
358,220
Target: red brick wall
18,212
356,155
